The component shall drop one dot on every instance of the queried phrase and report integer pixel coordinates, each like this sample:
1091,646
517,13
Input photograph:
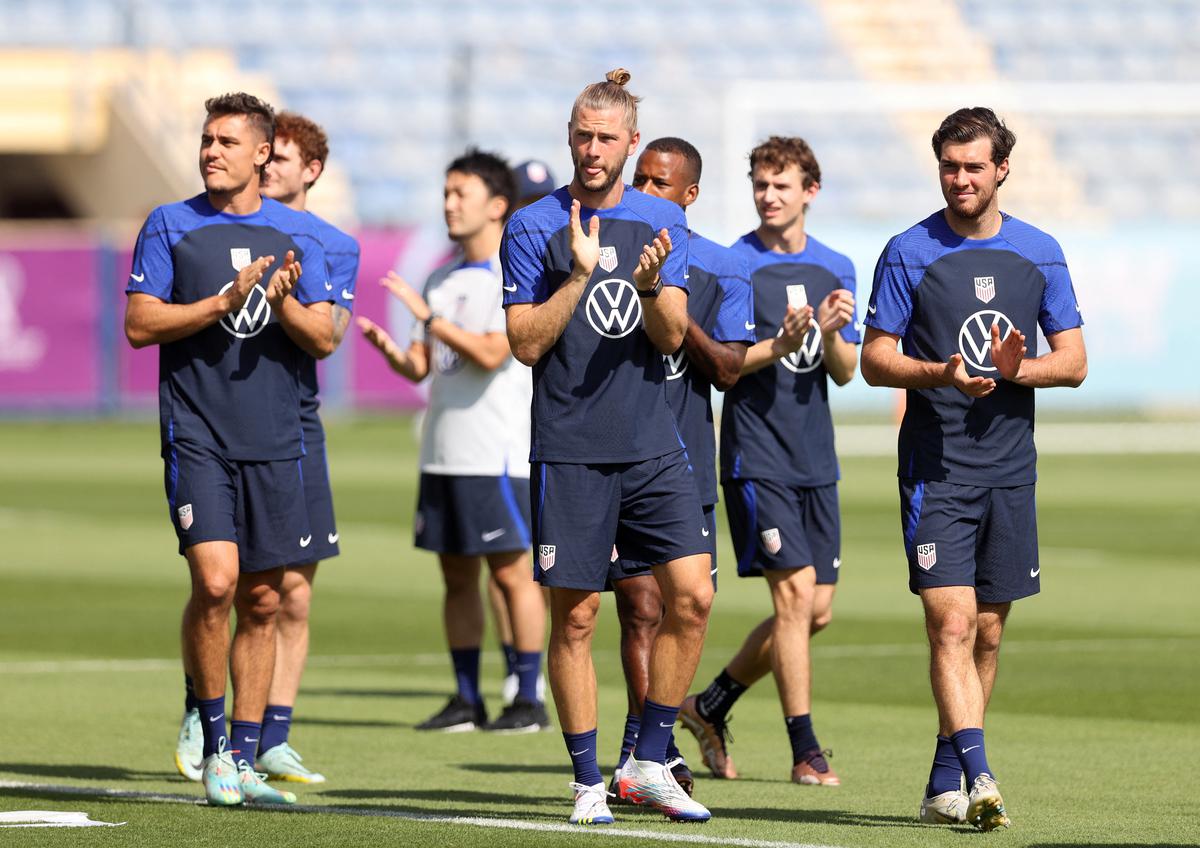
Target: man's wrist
433,316
652,291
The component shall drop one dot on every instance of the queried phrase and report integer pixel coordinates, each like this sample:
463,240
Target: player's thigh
272,521
766,526
661,520
822,522
202,494
318,500
941,524
1007,548
575,509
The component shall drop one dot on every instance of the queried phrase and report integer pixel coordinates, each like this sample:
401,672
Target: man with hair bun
778,465
962,291
217,283
596,293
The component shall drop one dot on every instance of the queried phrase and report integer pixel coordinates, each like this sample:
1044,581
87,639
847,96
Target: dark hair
307,135
258,112
778,152
681,148
494,172
969,124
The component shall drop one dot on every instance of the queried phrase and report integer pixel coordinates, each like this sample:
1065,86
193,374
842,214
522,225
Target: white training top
477,422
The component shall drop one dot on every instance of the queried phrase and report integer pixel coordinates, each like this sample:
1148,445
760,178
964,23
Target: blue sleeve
523,266
1059,308
735,316
343,272
890,306
674,271
849,281
314,285
153,269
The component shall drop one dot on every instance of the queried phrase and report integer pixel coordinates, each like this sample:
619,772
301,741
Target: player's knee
257,605
576,626
691,609
640,619
214,591
987,639
821,619
793,599
951,631
294,604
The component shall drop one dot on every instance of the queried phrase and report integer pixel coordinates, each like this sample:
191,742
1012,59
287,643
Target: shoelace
244,767
722,729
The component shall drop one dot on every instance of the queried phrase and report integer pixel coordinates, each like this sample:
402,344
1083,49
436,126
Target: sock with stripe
243,738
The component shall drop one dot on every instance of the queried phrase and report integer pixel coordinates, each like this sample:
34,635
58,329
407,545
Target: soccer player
301,148
229,407
720,327
595,279
962,291
474,491
778,465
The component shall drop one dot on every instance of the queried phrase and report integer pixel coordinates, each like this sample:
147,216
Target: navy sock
673,749
276,723
510,658
212,723
189,693
946,774
714,703
633,724
968,744
466,673
658,720
800,734
528,668
243,737
582,748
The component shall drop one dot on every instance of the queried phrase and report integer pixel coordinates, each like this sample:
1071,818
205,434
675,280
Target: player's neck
606,199
243,201
790,239
297,201
985,226
483,245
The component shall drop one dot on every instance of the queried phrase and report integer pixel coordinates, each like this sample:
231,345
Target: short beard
610,179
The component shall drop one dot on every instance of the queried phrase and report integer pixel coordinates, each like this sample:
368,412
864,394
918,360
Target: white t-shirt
477,422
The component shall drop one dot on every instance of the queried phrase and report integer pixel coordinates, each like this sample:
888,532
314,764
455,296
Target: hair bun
619,75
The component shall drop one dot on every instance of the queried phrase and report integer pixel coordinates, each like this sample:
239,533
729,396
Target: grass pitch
1092,729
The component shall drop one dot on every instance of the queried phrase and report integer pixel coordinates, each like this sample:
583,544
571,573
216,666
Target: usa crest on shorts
185,516
771,540
927,555
545,557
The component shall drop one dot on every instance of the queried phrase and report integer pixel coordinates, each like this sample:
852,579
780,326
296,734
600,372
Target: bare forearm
1067,367
341,320
841,357
883,367
535,328
412,364
152,321
487,350
665,318
310,327
762,354
721,364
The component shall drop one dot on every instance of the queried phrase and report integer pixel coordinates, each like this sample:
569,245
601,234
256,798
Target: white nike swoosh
660,724
279,718
333,537
871,309
577,753
972,748
750,326
492,534
329,287
511,288
714,571
837,563
1033,573
215,718
304,540
142,278
347,294
704,530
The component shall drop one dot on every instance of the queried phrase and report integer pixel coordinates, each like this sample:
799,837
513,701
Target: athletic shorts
650,510
258,505
318,497
621,568
971,536
472,516
774,526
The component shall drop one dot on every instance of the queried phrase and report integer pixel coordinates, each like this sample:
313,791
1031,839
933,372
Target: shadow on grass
520,768
373,693
462,796
85,772
803,816
348,722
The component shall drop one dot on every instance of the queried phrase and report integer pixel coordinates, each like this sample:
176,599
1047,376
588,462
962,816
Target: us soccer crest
927,556
608,258
185,516
545,557
239,257
771,540
985,288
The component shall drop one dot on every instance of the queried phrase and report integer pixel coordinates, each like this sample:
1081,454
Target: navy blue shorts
971,536
620,567
258,505
318,498
774,526
650,510
472,516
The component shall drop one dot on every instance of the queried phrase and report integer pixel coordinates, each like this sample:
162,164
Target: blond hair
607,95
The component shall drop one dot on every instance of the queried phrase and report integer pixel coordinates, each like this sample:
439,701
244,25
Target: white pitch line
432,818
898,649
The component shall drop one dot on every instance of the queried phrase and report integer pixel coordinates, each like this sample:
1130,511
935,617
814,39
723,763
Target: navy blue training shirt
341,259
776,424
599,393
941,294
721,302
234,386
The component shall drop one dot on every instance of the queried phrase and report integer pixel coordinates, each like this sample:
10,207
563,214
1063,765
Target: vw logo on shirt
809,355
613,308
975,337
251,318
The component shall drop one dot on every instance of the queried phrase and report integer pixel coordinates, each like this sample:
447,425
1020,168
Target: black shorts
774,526
650,510
971,536
472,516
318,498
258,505
621,567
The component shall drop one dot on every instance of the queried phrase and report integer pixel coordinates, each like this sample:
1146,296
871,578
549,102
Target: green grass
1092,728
